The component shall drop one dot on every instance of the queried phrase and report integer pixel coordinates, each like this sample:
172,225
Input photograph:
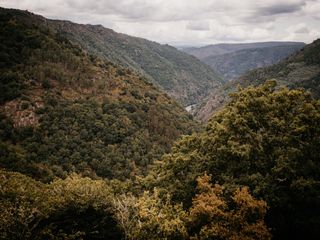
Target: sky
190,22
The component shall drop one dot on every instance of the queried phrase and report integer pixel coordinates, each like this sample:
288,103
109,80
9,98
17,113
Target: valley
104,135
300,69
233,60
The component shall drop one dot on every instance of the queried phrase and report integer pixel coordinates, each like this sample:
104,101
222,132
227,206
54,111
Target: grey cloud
303,30
189,21
280,9
198,25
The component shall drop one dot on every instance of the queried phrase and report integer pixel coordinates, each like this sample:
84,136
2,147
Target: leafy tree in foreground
216,217
265,138
150,217
74,208
213,215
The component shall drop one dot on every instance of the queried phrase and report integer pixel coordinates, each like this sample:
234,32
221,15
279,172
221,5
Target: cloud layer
190,22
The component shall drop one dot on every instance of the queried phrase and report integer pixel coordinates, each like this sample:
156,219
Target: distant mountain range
233,60
301,69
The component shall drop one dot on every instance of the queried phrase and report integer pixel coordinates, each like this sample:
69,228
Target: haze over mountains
233,60
301,69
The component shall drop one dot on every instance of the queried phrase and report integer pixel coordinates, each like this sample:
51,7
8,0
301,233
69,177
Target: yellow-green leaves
215,216
151,217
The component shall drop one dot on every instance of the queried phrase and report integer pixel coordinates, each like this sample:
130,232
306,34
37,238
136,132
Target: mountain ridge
180,75
63,110
223,48
300,69
233,60
234,64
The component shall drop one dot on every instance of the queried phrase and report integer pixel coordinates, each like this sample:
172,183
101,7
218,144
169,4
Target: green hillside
92,150
64,111
301,69
180,75
233,65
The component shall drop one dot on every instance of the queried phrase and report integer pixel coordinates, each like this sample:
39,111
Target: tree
214,216
266,138
74,208
151,217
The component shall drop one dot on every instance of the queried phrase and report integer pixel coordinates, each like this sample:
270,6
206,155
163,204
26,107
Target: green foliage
150,217
112,140
87,115
32,53
265,139
301,69
312,54
74,208
11,85
213,216
179,74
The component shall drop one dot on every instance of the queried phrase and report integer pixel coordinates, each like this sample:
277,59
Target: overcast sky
190,22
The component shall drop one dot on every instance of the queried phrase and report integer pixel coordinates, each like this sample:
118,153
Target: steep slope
301,69
224,48
234,64
64,111
182,76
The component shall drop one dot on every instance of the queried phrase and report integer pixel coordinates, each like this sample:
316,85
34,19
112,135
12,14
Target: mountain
92,150
180,75
63,110
301,69
224,48
234,64
233,60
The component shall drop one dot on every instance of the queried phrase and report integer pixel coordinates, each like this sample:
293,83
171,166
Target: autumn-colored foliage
214,216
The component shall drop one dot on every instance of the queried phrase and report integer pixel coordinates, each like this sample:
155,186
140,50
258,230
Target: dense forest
92,150
63,110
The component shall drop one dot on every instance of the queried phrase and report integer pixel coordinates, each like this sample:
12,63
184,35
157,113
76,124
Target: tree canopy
266,138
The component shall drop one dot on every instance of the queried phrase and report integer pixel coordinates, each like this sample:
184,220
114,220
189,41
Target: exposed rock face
22,112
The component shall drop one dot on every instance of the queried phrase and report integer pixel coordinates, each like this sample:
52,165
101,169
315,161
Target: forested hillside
235,64
233,60
92,150
63,110
300,69
180,75
226,48
253,173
